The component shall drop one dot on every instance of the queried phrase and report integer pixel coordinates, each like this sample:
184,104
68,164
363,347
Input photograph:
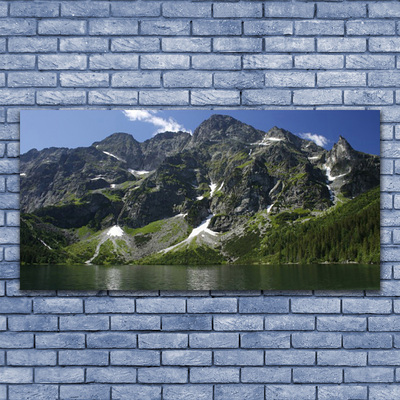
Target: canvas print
199,199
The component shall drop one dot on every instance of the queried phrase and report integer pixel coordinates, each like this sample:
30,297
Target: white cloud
151,117
317,139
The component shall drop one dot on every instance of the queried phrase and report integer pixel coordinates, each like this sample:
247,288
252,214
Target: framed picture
199,200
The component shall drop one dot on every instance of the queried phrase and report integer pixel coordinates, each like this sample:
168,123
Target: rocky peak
223,127
341,151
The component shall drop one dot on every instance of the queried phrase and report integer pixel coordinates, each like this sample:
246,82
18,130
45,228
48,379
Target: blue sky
76,128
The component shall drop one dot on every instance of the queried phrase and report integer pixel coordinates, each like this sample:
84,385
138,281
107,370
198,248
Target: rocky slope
215,182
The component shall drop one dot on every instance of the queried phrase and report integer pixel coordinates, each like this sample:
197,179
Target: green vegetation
349,233
153,227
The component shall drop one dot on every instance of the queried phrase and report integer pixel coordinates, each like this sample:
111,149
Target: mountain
185,198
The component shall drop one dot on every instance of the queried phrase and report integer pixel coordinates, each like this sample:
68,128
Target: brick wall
199,345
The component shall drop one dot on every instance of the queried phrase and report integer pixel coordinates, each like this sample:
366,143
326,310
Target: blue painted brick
59,375
31,357
111,340
17,61
3,9
109,305
186,357
217,27
11,254
341,45
57,306
83,357
156,98
382,10
135,44
237,45
383,78
387,44
313,97
164,61
86,9
32,45
84,322
16,375
32,323
369,374
42,9
365,27
194,45
19,26
98,392
288,10
317,27
135,9
341,323
13,181
367,341
13,149
342,358
163,306
215,61
317,375
136,392
214,340
289,323
210,97
214,375
13,340
381,392
9,270
110,375
84,79
267,61
3,323
60,340
264,340
109,96
290,357
137,79
15,306
61,27
162,375
386,323
238,10
165,28
8,201
57,97
186,10
316,340
187,323
290,392
37,392
319,61
285,45
238,357
135,357
342,78
367,306
62,61
87,45
16,97
341,11
264,305
212,305
384,357
241,323
268,27
179,392
113,61
264,375
368,97
113,27
187,79
266,96
2,357
234,392
369,62
321,306
346,392
163,340
135,322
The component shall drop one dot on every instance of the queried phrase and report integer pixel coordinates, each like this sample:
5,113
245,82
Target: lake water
208,277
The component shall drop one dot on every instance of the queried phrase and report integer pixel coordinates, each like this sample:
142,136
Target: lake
207,277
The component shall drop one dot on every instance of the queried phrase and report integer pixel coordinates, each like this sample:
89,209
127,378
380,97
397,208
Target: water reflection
209,277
